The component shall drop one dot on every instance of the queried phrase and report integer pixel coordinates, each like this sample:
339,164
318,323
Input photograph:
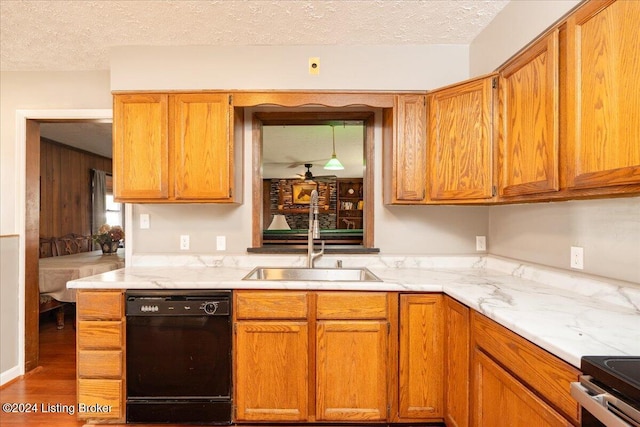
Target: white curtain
99,200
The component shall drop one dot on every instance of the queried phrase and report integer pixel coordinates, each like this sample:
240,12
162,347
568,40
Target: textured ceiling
38,35
77,35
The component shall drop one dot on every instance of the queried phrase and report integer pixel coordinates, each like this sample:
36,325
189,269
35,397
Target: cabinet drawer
539,370
100,305
271,305
100,399
100,364
100,335
352,305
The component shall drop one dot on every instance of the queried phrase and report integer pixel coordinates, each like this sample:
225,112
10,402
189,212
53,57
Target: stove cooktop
620,373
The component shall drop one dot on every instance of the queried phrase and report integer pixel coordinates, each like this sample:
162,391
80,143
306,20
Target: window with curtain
113,209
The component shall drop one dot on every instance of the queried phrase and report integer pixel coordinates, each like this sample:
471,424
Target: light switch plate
144,221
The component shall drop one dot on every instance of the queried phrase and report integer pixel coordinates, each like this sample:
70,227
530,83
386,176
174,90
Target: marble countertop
568,314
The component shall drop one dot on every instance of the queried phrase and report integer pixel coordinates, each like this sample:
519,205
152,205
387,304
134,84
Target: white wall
31,91
9,274
608,229
513,28
286,67
543,233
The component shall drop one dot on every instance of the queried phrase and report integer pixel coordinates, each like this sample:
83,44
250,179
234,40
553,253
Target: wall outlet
577,257
221,243
144,221
481,243
184,242
314,66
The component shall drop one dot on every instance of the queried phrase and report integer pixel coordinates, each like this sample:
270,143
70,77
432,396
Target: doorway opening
30,211
290,151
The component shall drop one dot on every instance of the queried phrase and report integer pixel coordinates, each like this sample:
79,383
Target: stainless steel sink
312,274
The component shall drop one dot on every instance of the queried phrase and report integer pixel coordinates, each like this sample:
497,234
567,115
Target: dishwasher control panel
163,303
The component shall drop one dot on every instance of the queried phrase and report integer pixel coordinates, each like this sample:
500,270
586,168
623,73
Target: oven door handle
595,400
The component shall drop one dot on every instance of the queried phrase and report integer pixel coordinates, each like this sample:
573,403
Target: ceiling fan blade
293,165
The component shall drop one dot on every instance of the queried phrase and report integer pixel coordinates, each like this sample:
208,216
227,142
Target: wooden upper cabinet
202,153
406,150
528,120
140,147
461,141
603,95
174,148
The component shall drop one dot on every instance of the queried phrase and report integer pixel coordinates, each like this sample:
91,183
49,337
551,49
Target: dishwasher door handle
596,404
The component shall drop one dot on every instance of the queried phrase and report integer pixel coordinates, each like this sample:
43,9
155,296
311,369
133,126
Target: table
55,272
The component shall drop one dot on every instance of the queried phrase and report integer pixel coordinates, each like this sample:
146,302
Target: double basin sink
312,274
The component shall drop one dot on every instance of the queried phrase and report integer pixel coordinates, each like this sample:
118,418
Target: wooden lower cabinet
101,399
351,370
271,348
311,356
361,357
515,383
421,358
100,344
272,370
456,365
501,400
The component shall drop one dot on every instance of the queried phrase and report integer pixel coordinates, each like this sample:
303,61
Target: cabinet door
461,141
501,401
421,357
140,147
408,173
603,92
271,382
351,372
528,110
456,366
201,146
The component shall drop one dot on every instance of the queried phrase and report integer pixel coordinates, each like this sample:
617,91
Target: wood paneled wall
65,188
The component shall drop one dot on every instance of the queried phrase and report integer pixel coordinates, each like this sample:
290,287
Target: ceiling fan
308,175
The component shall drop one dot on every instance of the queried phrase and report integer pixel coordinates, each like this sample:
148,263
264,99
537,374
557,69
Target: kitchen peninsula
564,316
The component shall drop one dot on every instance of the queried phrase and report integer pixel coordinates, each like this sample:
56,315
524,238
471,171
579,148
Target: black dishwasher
179,357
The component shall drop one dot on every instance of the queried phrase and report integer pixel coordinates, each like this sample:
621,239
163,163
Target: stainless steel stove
609,391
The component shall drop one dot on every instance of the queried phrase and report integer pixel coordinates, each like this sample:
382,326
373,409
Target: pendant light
334,164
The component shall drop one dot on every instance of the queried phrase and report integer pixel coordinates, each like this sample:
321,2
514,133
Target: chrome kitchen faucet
314,230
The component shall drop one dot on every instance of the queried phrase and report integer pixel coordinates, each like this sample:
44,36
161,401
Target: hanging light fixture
334,164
